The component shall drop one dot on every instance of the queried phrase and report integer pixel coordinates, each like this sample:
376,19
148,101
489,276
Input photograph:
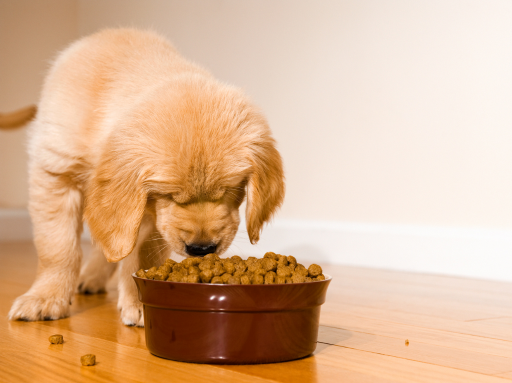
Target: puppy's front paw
30,307
132,314
94,285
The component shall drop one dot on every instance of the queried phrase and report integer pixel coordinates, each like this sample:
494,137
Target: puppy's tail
17,118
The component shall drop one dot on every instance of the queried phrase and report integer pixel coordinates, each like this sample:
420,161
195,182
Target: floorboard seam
418,361
430,328
418,342
476,320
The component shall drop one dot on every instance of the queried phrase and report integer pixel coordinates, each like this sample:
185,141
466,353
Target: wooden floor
459,330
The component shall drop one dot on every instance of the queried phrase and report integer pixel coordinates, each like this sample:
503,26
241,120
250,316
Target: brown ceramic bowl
231,324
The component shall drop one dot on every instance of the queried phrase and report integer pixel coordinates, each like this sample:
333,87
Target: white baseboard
466,252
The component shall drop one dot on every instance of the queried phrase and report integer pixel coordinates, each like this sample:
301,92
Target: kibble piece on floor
56,339
88,360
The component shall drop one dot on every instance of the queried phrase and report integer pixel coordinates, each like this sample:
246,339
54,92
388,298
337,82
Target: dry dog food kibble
314,270
271,269
88,360
56,339
226,276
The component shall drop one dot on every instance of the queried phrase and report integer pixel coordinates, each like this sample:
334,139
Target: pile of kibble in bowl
271,269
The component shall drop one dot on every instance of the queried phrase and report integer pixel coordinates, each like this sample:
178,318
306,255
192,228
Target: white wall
31,33
394,118
385,111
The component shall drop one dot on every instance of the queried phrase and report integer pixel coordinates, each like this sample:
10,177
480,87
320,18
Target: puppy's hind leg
95,273
56,211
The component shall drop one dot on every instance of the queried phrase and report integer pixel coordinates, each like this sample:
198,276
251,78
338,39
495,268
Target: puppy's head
189,156
199,227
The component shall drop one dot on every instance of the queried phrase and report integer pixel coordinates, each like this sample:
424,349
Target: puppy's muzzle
200,250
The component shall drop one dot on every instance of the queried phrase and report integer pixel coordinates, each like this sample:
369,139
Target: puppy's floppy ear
114,205
265,188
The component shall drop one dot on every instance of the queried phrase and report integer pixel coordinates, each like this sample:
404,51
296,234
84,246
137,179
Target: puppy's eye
219,229
180,198
156,195
217,194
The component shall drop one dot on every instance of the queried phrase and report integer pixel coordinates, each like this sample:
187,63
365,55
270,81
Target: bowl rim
327,278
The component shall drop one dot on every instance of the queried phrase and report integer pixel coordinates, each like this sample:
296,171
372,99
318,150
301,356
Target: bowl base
231,337
233,362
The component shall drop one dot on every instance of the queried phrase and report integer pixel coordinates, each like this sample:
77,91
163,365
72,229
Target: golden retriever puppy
137,141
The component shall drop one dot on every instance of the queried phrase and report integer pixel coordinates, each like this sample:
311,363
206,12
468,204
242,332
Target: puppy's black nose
200,250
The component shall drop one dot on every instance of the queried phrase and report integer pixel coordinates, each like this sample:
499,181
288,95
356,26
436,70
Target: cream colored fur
148,149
